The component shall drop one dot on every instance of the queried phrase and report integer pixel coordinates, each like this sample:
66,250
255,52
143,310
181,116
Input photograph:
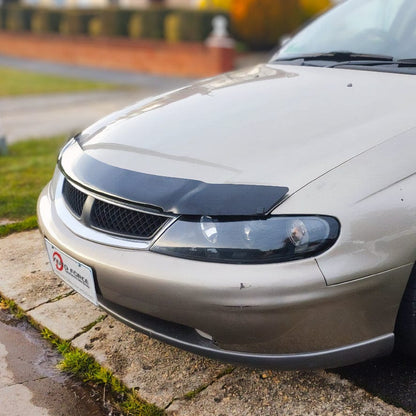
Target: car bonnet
251,135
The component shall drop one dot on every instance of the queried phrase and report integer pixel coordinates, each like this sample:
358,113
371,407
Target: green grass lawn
24,172
16,82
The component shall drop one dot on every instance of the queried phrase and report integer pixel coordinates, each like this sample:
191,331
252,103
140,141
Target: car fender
373,196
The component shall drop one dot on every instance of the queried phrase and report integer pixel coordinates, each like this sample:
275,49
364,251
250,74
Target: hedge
148,23
152,23
261,23
190,25
18,18
45,21
75,22
110,22
258,23
2,17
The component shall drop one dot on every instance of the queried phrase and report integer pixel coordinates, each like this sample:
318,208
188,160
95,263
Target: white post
219,37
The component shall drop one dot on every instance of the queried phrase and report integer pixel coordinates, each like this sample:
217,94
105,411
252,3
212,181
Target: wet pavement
30,383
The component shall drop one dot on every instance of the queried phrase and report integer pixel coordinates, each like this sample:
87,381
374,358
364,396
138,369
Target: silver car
265,216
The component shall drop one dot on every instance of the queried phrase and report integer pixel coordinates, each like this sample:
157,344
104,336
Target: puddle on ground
32,363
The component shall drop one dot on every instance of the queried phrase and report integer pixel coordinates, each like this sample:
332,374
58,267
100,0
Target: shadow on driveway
392,378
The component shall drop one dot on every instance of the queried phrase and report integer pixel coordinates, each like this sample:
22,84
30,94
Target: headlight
273,239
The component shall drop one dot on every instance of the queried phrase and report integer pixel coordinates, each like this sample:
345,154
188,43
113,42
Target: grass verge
24,171
16,227
16,82
85,368
11,306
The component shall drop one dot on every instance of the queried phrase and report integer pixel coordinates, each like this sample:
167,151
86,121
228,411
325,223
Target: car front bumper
276,315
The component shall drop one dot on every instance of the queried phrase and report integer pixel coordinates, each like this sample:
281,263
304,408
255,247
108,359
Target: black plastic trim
172,195
188,339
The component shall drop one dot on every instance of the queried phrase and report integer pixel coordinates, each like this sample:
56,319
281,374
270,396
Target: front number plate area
74,273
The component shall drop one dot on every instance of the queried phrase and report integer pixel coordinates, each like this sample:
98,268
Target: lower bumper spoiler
188,339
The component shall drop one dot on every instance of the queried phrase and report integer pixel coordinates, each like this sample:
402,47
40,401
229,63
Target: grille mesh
74,198
125,221
112,218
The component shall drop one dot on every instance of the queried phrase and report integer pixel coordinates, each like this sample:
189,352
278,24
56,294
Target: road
64,114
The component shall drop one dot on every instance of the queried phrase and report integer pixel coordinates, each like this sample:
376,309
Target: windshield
368,27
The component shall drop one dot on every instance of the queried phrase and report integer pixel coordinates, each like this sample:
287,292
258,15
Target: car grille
112,218
125,221
74,198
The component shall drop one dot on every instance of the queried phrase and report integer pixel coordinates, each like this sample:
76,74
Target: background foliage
257,23
261,23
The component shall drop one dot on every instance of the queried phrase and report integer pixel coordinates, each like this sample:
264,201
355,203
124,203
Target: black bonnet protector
172,195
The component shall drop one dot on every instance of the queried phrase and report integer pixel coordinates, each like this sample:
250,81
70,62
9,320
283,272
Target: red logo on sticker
57,259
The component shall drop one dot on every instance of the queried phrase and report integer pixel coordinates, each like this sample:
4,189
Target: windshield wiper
406,62
399,63
338,57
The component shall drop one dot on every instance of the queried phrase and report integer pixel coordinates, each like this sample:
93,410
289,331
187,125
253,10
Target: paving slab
159,372
66,317
247,392
25,272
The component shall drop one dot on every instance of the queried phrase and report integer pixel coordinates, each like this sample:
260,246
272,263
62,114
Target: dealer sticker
75,274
